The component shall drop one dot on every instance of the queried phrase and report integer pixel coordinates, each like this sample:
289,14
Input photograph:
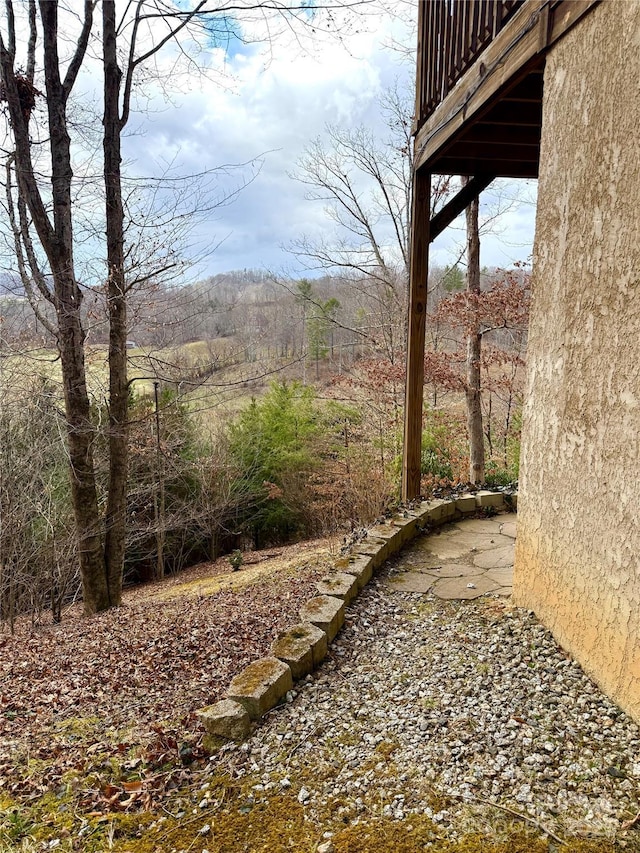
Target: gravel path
441,708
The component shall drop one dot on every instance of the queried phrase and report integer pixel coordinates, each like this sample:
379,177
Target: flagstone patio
463,560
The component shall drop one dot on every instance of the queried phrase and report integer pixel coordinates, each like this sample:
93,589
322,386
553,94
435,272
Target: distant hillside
10,285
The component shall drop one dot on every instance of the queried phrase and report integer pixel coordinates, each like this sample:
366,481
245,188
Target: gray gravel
439,708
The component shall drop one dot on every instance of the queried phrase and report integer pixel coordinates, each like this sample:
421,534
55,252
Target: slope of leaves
103,708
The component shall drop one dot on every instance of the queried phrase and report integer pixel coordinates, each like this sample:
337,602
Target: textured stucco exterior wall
578,548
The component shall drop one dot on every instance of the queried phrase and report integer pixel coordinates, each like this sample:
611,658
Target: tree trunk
68,301
56,237
116,513
80,438
474,347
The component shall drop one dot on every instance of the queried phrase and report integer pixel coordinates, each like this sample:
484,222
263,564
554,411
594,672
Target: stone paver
464,588
465,560
458,542
508,528
412,582
503,576
454,570
419,560
497,558
484,525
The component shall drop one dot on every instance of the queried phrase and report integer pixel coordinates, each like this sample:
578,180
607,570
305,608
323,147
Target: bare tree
45,218
485,329
365,185
54,228
38,561
474,347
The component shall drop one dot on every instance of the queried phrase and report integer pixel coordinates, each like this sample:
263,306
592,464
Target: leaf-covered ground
99,713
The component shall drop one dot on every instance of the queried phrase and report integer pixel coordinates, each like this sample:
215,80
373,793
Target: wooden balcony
451,37
478,113
479,82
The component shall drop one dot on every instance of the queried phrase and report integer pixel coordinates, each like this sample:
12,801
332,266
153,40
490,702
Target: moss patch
275,826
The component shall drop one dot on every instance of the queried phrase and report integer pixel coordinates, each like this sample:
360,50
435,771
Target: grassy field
205,374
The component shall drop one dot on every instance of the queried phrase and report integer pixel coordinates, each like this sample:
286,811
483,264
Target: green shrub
435,461
273,444
236,559
444,450
497,475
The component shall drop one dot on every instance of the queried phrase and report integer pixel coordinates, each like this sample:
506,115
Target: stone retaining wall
299,650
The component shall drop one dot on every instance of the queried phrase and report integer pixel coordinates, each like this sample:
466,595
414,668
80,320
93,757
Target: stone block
437,512
358,565
466,504
319,645
376,549
340,585
389,533
325,612
422,511
512,501
260,686
409,525
301,648
226,719
486,499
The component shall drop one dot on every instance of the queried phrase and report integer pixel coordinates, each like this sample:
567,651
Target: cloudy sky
238,104
261,103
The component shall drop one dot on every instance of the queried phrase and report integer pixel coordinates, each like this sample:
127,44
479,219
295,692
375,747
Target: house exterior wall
578,548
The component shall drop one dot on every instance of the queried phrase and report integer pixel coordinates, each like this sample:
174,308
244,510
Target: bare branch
134,61
31,46
11,25
81,48
21,237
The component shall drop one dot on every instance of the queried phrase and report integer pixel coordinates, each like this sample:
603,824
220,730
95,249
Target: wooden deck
450,38
479,96
479,93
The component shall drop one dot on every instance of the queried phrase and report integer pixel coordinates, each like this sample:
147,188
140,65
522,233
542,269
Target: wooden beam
507,115
414,387
458,203
498,133
505,169
565,15
485,155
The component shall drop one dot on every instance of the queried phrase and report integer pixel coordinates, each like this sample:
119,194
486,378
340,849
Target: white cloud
276,99
266,101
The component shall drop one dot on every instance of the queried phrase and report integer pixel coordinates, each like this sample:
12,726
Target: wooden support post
419,270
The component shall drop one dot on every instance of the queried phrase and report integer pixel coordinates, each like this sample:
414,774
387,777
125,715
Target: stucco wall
578,549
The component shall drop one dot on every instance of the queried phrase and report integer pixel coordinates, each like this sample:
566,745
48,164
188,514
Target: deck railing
451,35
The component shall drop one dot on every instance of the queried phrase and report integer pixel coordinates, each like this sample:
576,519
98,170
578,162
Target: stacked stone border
299,650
